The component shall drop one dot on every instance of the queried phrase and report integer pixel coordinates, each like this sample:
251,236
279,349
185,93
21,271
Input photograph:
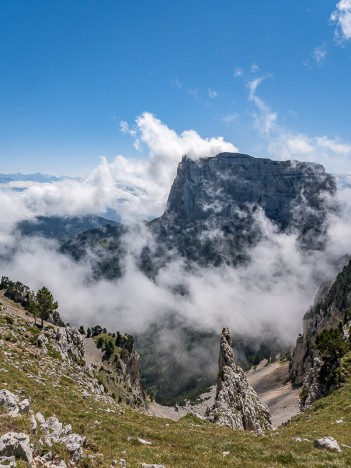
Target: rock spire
237,405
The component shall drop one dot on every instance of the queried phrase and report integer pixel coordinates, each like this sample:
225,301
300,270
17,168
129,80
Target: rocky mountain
37,177
230,182
213,212
237,405
62,229
317,361
214,203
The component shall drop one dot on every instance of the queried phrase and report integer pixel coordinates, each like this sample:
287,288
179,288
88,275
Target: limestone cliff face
330,311
237,405
128,366
215,207
228,181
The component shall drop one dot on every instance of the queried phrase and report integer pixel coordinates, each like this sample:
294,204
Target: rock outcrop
17,445
128,366
237,405
328,443
70,343
11,403
330,312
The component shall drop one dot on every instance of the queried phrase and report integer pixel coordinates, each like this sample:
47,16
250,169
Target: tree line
41,305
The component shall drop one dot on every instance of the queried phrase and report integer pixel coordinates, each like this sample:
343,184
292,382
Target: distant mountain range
37,177
62,229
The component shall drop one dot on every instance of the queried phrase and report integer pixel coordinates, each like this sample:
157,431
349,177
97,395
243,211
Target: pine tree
46,304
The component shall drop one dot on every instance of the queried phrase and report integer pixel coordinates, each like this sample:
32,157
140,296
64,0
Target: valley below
114,434
268,380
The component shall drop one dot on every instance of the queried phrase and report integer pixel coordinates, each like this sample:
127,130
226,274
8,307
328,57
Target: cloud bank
271,293
135,188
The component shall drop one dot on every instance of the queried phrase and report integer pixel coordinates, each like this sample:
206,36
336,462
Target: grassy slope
187,443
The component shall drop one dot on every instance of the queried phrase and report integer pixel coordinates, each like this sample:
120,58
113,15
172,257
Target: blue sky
272,77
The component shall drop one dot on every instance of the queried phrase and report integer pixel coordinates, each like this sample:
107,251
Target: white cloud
265,119
238,72
334,145
212,94
229,118
177,83
319,54
124,127
285,144
332,153
342,17
136,188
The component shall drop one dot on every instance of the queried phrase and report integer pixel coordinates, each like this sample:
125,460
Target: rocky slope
325,340
114,372
236,405
56,413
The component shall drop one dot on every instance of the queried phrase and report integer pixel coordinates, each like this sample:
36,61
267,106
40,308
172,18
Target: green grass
189,442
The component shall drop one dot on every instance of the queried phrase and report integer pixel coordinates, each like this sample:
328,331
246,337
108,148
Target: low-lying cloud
136,189
272,292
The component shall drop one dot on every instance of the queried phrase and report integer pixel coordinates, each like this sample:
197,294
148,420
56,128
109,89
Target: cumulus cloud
341,16
136,188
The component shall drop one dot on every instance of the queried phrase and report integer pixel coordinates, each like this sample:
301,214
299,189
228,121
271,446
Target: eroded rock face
16,444
11,403
70,342
311,385
330,310
216,207
232,180
237,405
128,367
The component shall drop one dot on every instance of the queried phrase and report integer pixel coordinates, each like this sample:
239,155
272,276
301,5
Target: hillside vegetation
114,431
